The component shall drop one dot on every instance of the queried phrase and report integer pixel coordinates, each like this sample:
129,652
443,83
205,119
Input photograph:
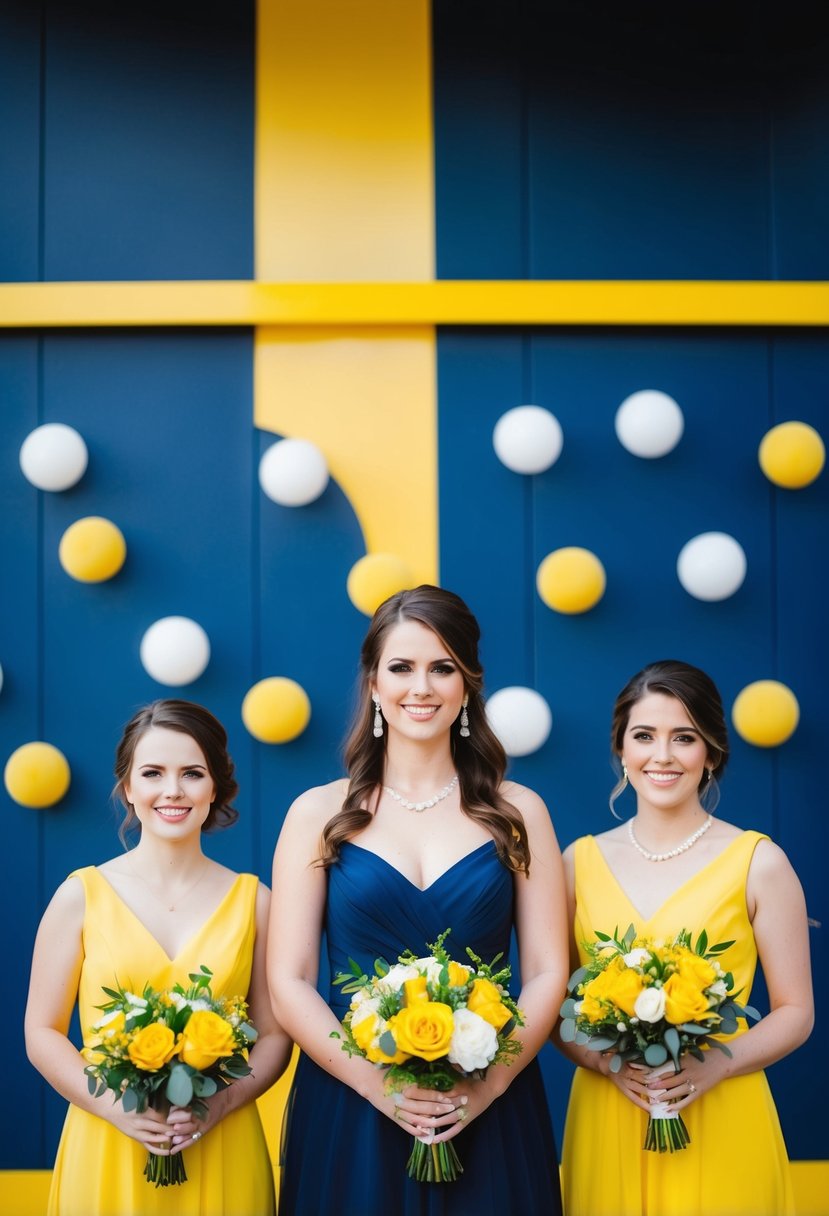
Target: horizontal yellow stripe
398,304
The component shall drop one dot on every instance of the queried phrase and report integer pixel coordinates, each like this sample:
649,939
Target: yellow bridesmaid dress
736,1163
99,1171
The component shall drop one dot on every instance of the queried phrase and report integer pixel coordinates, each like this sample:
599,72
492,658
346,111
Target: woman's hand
149,1128
187,1127
433,1116
695,1078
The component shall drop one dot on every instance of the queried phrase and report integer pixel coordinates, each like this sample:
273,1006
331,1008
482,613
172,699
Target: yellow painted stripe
344,187
367,398
344,203
37,305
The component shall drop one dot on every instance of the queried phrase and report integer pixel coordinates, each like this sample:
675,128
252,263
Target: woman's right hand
413,1109
149,1128
629,1080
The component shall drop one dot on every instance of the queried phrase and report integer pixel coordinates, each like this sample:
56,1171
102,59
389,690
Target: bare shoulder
70,899
313,808
527,801
769,862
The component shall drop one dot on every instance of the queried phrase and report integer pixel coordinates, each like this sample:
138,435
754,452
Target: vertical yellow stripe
344,192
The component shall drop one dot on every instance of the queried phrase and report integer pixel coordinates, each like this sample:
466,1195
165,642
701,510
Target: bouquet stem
666,1132
434,1162
165,1171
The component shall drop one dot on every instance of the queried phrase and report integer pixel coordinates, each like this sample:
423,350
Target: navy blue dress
341,1157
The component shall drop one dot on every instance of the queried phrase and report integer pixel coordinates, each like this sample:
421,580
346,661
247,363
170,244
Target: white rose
137,1001
718,988
636,957
364,1010
474,1042
650,1004
198,1005
577,1007
395,978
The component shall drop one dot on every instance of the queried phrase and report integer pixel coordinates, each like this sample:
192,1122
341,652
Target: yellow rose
424,1030
206,1038
485,1000
458,975
683,1000
415,990
153,1047
592,996
623,986
698,970
365,1032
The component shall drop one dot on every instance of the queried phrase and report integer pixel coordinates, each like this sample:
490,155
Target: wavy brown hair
700,698
197,722
480,759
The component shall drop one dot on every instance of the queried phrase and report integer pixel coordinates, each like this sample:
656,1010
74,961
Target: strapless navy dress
340,1156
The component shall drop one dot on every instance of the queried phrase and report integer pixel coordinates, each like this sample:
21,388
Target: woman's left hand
469,1098
189,1128
682,1088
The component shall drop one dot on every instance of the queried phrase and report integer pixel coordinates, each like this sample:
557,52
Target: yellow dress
736,1163
98,1170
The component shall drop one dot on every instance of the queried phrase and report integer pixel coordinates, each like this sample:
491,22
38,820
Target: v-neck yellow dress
736,1163
99,1170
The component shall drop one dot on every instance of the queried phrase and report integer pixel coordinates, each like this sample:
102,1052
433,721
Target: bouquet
425,1021
174,1047
650,1002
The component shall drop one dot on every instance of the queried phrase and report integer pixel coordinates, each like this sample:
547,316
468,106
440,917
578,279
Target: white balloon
521,719
175,650
649,423
711,566
293,472
53,456
528,439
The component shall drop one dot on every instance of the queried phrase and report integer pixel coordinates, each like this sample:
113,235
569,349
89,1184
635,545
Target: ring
196,1136
462,1113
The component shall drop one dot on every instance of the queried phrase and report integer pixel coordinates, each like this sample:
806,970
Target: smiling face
169,784
419,683
664,753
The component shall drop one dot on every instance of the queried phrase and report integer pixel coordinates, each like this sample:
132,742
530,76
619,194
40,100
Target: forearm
772,1038
62,1065
268,1060
310,1022
539,1001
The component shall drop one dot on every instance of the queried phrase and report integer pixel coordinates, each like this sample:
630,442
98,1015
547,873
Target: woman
673,866
423,836
153,915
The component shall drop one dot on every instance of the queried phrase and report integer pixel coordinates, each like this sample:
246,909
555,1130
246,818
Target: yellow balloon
792,455
571,580
374,578
766,713
37,775
276,710
92,549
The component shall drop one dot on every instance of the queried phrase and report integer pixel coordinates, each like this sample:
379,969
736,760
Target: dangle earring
378,718
464,731
625,774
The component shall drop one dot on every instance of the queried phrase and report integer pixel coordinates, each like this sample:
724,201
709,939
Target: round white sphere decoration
521,719
711,566
53,456
649,423
528,439
175,650
293,472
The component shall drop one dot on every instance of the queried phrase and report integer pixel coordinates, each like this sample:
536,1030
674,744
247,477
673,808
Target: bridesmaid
674,866
424,835
153,915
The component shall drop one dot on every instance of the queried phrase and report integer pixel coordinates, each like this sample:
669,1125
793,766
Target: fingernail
464,1100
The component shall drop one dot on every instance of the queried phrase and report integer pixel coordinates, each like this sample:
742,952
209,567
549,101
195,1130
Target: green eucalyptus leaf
615,1063
581,1038
600,1043
568,1030
179,1086
568,1009
388,1043
655,1054
129,1100
578,977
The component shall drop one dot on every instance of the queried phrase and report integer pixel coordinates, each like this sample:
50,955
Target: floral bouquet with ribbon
174,1047
649,1002
426,1021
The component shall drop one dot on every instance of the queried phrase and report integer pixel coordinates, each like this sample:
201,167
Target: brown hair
480,759
197,722
699,696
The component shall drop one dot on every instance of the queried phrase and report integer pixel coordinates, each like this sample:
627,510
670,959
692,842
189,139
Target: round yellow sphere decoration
571,580
276,710
37,775
766,713
374,578
792,455
92,549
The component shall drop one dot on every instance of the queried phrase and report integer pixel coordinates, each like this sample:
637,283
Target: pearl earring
378,718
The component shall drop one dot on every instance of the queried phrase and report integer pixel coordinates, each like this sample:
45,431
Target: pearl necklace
422,806
680,848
